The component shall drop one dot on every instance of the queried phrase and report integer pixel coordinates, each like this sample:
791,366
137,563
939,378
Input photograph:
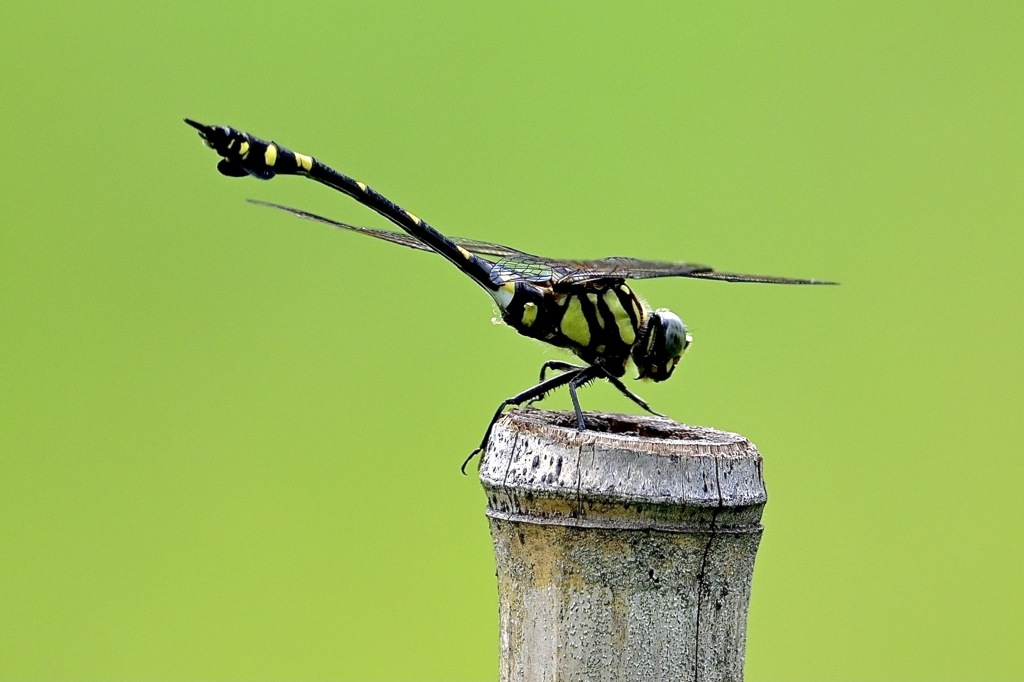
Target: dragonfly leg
632,396
558,366
533,393
582,378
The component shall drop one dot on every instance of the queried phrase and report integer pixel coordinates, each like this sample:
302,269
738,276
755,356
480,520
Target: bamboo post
624,552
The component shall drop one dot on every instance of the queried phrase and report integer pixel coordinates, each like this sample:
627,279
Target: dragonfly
583,306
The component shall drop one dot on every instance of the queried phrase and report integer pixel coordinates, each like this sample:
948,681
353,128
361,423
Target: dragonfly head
662,343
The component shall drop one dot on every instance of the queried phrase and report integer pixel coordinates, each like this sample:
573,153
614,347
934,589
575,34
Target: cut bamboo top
624,471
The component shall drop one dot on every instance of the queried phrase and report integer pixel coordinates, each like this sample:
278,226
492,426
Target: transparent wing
523,268
518,266
473,245
620,267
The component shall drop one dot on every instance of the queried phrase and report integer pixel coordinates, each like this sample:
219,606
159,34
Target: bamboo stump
624,552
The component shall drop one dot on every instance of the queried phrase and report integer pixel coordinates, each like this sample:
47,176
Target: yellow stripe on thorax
626,331
574,324
593,304
529,313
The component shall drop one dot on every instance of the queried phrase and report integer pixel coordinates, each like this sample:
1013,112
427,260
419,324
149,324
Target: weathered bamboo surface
624,552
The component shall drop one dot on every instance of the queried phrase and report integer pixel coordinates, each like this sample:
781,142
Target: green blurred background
229,439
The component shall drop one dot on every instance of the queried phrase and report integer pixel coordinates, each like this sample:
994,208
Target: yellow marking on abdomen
270,156
621,315
529,313
244,150
465,254
304,162
574,324
362,185
413,218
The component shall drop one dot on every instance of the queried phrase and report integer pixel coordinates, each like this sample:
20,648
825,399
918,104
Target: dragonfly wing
522,268
386,235
473,245
518,266
618,267
761,279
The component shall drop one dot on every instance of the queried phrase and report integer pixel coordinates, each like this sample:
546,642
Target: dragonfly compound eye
665,341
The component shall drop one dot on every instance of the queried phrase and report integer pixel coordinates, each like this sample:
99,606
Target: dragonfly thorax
598,321
662,342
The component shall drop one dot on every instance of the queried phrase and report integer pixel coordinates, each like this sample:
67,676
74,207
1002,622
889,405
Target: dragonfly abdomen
244,154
